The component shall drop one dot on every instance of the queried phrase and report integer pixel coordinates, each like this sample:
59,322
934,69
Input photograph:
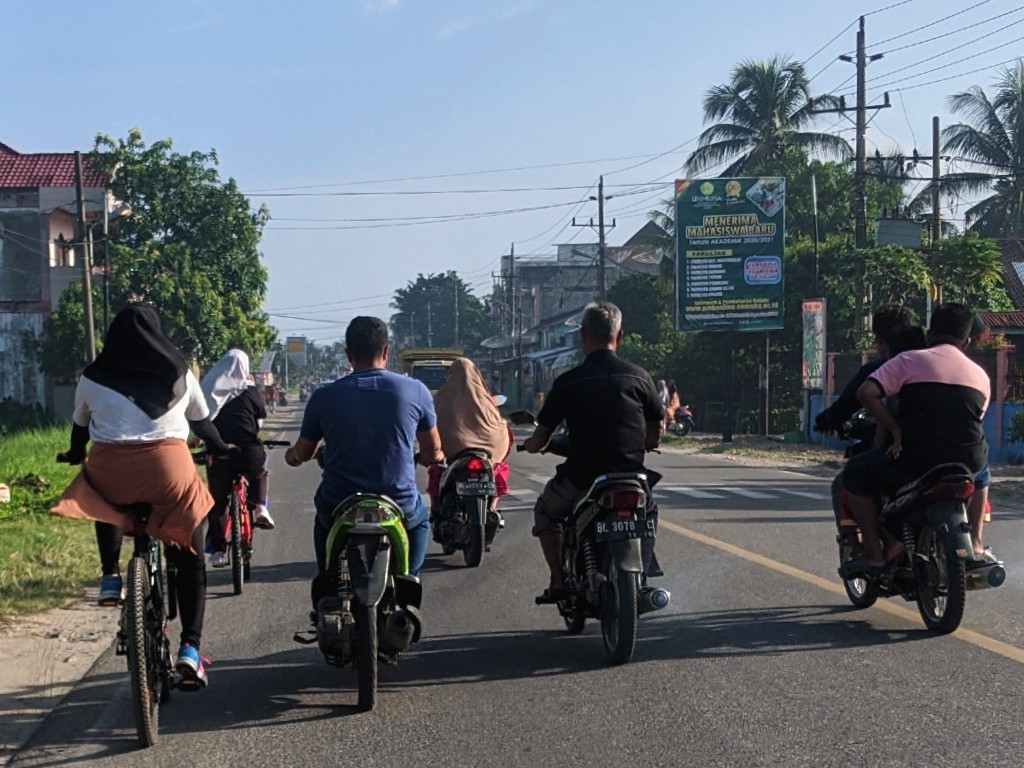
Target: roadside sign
730,234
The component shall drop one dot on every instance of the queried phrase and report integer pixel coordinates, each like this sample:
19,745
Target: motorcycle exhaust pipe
653,600
987,577
398,631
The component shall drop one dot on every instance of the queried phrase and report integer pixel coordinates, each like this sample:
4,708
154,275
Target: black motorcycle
603,555
464,518
929,516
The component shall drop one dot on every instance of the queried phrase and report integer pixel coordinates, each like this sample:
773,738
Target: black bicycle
149,605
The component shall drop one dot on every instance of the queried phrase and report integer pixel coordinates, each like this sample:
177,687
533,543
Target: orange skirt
160,473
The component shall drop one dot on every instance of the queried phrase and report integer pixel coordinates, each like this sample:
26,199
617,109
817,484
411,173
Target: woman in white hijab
237,409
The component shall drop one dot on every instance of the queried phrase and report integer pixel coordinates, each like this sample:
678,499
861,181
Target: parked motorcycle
368,604
602,555
929,516
463,518
682,421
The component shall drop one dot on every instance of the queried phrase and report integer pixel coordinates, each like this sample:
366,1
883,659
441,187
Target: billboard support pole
767,399
727,375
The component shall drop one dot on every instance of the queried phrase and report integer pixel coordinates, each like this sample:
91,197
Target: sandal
860,567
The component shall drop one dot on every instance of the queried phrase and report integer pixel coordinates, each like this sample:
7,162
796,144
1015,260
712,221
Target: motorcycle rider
943,397
468,418
614,415
886,318
368,421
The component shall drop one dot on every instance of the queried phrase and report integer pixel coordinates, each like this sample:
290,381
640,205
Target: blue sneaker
190,667
111,590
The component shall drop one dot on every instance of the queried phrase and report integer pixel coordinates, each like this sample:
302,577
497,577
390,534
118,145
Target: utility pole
455,282
516,320
412,329
936,212
860,202
90,328
602,290
936,187
430,328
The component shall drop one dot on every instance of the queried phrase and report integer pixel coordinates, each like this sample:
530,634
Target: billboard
295,349
730,234
814,344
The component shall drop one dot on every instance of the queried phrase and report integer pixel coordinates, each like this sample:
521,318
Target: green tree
968,269
644,300
189,246
429,307
992,138
764,109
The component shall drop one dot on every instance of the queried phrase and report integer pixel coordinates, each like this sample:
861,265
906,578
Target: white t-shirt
113,418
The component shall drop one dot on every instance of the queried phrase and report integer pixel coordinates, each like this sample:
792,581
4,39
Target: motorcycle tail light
959,490
623,500
475,464
368,513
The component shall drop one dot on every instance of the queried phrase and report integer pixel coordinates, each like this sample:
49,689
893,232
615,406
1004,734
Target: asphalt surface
759,660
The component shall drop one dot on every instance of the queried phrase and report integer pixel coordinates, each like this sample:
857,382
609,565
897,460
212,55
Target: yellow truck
428,364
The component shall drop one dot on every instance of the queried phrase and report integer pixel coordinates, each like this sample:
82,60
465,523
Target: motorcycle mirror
522,418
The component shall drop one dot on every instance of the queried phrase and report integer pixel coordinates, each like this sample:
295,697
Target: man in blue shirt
368,422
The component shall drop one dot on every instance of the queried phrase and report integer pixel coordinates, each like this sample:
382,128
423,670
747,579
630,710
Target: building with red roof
37,215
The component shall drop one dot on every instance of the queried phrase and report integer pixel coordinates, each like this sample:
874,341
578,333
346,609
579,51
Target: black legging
190,575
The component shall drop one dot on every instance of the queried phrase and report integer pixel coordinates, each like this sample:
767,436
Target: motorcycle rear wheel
475,508
618,612
366,655
862,592
942,583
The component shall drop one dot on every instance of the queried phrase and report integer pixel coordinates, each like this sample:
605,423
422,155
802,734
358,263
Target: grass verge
44,561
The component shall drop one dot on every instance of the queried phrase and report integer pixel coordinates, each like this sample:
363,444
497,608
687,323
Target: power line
455,174
931,23
956,31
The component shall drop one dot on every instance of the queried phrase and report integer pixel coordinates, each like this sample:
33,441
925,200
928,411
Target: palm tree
767,106
993,138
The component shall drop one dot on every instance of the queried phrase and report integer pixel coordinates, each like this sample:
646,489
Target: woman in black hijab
137,402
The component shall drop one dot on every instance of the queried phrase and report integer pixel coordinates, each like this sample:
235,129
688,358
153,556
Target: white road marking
749,494
807,494
688,491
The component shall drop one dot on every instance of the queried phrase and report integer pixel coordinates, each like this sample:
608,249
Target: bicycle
148,607
238,527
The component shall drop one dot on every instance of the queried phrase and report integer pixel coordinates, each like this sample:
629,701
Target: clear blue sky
335,92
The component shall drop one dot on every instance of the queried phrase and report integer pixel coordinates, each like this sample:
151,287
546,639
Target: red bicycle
238,526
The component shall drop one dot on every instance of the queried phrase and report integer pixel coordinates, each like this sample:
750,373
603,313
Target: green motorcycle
367,601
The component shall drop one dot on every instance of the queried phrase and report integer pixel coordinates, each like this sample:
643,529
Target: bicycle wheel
237,565
143,658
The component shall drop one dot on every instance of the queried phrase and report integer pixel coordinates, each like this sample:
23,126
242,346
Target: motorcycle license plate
616,529
475,488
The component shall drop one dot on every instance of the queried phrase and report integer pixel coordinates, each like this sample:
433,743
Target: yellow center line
1006,650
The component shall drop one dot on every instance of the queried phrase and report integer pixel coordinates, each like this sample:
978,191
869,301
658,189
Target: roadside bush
17,417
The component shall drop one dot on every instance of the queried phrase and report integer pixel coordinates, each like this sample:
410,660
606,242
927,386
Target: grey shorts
554,505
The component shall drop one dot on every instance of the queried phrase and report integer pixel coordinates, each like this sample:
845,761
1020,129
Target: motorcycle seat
957,478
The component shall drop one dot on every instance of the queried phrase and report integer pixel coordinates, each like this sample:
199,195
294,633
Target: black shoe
551,596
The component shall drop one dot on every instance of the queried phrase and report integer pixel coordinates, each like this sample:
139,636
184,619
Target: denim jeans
416,526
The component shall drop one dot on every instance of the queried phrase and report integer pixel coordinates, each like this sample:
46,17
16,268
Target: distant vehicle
429,364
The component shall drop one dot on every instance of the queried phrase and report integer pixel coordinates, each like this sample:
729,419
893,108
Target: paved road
759,661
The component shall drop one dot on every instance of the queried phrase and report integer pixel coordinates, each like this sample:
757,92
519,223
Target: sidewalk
42,658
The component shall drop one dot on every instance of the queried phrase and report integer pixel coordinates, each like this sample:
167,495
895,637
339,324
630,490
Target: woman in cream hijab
467,417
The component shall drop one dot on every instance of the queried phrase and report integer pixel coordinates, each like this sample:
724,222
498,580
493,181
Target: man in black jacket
613,414
886,318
